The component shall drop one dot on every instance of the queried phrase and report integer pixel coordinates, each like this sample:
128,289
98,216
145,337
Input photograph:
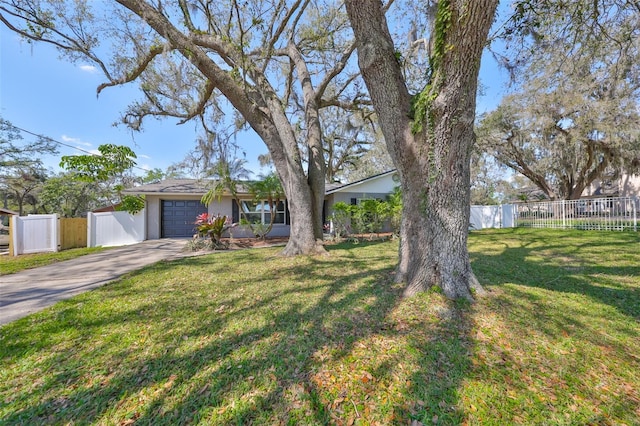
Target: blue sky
50,96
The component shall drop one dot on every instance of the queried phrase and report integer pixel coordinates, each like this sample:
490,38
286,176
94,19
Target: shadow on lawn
526,265
253,343
579,302
571,268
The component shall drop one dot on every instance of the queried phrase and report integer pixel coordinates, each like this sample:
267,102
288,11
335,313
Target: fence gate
108,229
508,216
34,233
483,217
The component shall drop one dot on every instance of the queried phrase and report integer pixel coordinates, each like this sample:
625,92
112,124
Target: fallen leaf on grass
366,377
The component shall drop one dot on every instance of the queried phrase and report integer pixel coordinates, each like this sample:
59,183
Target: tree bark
433,164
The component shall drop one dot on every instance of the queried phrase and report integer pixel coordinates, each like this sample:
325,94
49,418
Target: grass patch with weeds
248,337
13,264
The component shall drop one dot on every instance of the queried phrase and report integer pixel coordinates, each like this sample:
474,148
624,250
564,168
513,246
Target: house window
259,212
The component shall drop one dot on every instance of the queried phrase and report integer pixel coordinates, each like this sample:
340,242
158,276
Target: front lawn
13,264
247,337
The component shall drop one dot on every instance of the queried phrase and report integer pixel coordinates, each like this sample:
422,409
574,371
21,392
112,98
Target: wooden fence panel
73,232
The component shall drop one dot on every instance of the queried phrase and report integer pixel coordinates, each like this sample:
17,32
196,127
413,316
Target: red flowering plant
213,226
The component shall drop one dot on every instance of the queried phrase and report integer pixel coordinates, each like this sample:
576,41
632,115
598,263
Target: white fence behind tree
502,216
115,228
34,233
605,214
486,217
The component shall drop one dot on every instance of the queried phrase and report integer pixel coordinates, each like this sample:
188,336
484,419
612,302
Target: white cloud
75,141
69,139
88,68
144,156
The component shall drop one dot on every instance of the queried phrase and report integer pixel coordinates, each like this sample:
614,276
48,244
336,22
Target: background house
624,186
172,205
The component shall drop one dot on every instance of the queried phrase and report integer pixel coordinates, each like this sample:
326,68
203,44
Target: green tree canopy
109,170
573,115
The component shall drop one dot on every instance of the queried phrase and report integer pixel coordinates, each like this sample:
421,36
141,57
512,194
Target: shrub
213,226
341,218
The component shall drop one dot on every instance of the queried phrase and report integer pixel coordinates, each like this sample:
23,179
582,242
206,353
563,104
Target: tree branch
155,51
186,15
337,69
72,46
204,98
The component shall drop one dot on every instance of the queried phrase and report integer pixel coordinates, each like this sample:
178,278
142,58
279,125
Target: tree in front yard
275,64
573,116
429,135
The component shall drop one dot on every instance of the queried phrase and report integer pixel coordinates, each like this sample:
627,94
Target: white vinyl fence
34,233
483,217
115,228
604,214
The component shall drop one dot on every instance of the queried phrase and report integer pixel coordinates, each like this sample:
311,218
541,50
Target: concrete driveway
34,289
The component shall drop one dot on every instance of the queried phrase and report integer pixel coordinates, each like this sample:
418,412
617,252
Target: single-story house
172,205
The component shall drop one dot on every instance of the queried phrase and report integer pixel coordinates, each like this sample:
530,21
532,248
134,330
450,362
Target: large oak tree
573,116
190,54
429,135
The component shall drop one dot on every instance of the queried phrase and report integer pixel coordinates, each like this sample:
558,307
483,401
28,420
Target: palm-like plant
226,175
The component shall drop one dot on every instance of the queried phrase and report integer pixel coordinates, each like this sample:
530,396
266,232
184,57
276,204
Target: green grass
247,337
13,264
583,224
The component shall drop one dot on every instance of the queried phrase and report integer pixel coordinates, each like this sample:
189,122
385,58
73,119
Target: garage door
178,217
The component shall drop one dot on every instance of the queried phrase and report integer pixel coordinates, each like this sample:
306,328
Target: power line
64,144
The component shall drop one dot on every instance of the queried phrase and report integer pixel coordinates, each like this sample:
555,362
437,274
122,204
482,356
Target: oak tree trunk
433,162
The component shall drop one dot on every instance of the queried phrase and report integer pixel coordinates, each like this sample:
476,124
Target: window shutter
235,212
354,201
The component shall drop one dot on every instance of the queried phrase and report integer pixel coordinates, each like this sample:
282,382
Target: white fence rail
35,233
115,228
604,214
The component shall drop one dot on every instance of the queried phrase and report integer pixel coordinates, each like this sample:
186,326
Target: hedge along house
171,206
